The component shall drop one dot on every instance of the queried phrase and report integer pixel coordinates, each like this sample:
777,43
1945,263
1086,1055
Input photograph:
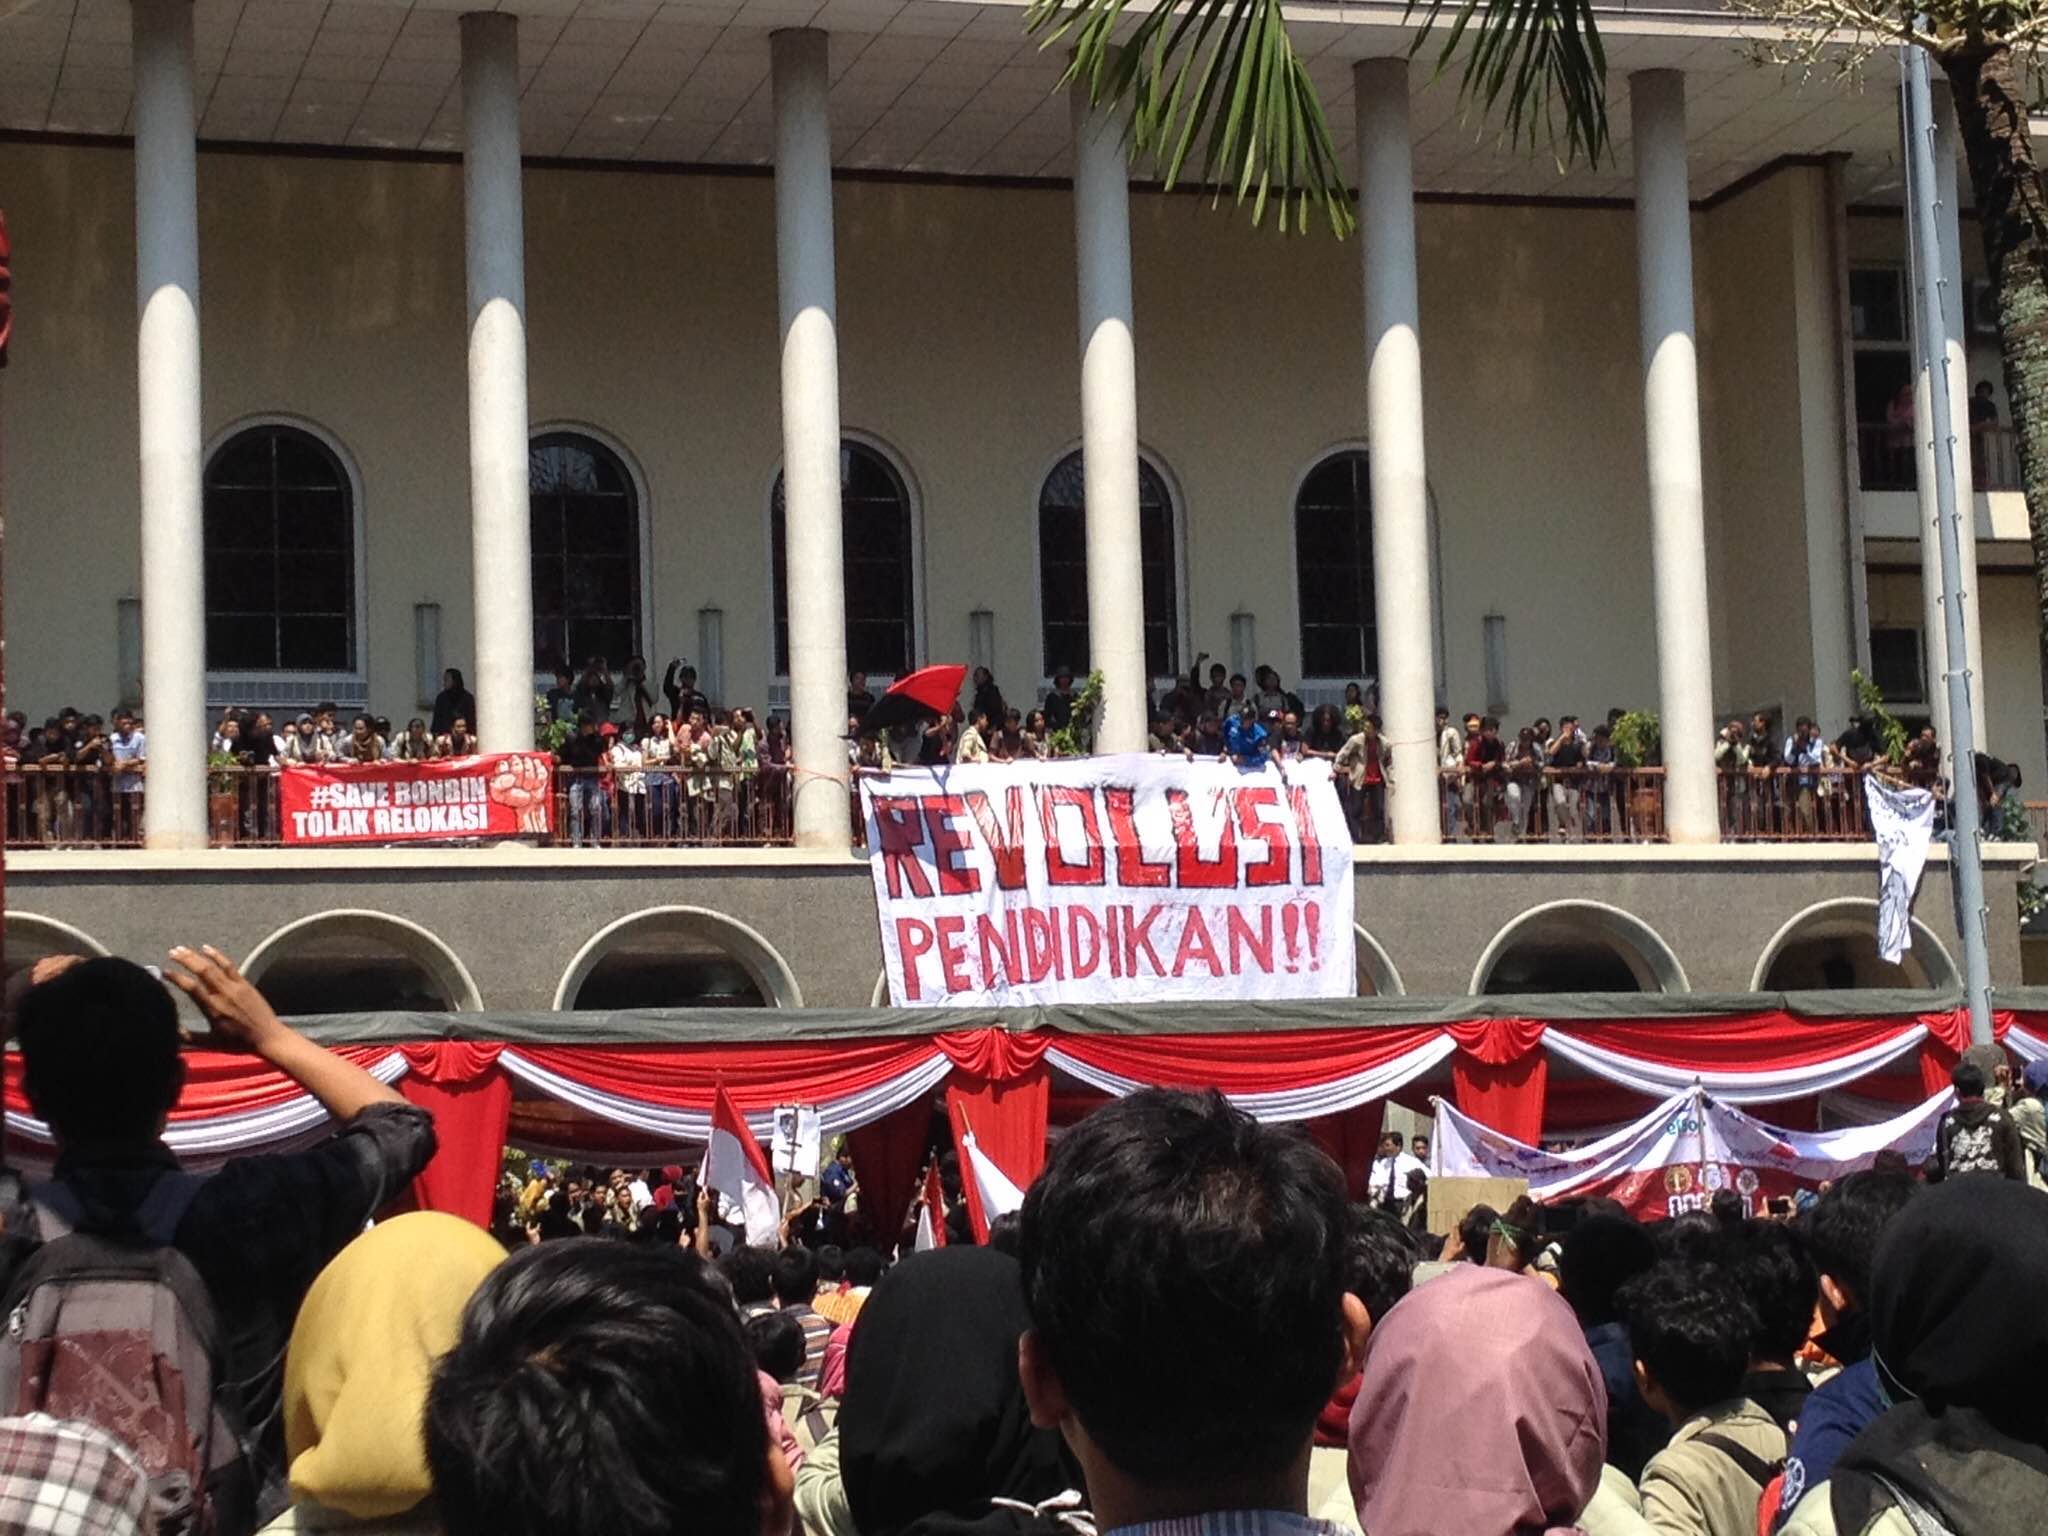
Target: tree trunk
2012,216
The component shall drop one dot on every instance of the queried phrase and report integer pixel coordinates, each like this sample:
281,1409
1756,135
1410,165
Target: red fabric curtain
1246,1063
1352,1138
219,1083
1745,1042
1008,1122
759,1076
888,1156
458,1082
1500,1076
1948,1035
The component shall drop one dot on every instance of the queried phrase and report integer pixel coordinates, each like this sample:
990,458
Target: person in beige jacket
1690,1329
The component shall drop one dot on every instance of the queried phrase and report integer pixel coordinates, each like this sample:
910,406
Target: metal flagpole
1924,225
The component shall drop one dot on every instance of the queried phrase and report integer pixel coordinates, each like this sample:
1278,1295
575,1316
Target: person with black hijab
1960,1344
454,702
933,1437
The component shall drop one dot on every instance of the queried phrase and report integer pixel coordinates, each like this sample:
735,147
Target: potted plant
223,802
1638,744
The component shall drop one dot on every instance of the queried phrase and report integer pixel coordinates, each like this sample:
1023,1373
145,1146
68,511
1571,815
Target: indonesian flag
998,1195
931,1213
735,1167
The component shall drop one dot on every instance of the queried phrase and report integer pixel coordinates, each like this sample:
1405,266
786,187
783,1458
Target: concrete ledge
701,861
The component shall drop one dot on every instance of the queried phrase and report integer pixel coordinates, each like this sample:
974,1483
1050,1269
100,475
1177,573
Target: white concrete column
1933,633
1393,413
816,567
501,531
167,372
1109,425
1671,410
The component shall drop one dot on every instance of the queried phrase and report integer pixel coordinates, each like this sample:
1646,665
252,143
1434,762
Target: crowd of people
641,765
1187,1330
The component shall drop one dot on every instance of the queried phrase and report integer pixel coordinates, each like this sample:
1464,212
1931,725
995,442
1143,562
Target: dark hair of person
796,1275
659,1227
1691,1327
831,1264
1166,1218
1968,1079
1002,1233
1380,1256
1769,1261
1844,1226
1694,1238
1474,1227
99,1051
864,1266
777,1340
597,1389
1726,1208
1524,1222
1598,1257
751,1273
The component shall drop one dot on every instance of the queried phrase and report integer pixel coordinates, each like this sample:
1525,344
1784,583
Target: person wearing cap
1059,701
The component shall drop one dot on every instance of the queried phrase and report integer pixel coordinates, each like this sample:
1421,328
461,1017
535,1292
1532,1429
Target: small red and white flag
999,1196
736,1168
931,1213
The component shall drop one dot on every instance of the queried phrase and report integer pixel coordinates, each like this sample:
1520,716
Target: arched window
1333,569
1063,569
280,535
878,545
586,553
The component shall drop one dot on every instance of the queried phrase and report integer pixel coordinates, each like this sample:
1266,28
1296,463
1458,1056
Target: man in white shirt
1390,1172
130,746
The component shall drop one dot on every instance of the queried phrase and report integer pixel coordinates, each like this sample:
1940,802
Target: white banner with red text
505,794
1682,1153
1120,879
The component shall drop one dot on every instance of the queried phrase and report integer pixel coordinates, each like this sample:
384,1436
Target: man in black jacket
1976,1136
101,1064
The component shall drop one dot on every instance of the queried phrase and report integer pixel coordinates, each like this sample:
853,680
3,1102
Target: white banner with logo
1902,821
1120,879
1682,1153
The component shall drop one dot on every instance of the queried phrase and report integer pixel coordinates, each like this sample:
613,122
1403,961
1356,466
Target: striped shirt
817,1334
1234,1522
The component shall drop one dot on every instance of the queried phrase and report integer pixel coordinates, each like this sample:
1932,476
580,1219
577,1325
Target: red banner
502,795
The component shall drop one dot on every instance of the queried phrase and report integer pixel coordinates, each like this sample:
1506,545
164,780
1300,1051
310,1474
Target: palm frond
1538,63
1216,85
1224,66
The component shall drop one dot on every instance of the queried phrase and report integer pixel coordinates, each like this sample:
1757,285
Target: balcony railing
1626,805
52,807
55,807
1885,456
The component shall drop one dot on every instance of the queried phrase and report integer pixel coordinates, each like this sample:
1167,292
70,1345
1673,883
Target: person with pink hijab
1482,1412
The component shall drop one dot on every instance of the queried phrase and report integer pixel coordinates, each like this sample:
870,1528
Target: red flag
931,1212
927,691
6,291
735,1167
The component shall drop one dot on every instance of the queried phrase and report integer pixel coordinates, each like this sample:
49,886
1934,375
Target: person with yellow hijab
356,1374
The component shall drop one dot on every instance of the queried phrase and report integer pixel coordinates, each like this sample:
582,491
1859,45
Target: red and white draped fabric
231,1105
1293,1076
997,1083
1749,1059
667,1091
2026,1035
